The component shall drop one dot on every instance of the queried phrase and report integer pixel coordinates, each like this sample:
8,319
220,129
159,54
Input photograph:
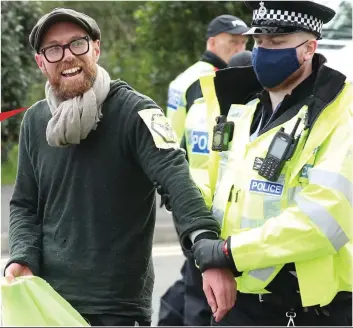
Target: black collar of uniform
328,84
211,58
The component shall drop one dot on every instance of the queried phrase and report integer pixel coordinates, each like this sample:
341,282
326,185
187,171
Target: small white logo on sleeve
266,187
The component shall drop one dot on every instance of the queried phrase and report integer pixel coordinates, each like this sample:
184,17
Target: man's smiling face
72,73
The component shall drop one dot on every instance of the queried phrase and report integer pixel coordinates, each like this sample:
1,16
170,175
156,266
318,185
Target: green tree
17,64
171,37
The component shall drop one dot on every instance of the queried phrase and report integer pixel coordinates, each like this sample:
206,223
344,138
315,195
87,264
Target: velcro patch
163,135
257,163
265,187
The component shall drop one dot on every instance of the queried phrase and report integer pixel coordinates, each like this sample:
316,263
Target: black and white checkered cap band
305,20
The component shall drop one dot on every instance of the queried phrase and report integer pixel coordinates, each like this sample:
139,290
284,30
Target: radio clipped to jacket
222,134
281,149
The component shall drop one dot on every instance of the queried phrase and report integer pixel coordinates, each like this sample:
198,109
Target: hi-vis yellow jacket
176,107
198,129
305,217
197,146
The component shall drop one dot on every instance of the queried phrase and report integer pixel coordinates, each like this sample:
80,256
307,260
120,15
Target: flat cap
62,15
285,17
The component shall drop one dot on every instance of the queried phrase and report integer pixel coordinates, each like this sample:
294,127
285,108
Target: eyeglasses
78,47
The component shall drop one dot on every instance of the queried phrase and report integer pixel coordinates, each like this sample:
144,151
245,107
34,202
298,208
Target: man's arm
25,226
157,150
317,225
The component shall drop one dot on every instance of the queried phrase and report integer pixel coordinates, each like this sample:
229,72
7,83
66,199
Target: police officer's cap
62,15
286,17
226,24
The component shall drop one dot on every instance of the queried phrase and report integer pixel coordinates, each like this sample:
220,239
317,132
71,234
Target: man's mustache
65,66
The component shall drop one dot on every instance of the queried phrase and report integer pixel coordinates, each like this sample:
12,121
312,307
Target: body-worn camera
222,134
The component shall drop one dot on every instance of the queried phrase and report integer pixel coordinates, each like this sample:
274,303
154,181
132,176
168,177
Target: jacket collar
211,58
328,84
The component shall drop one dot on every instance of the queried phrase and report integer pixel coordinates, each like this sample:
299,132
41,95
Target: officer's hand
17,270
220,289
208,254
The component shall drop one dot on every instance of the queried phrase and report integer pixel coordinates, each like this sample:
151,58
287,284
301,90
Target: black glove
164,196
210,253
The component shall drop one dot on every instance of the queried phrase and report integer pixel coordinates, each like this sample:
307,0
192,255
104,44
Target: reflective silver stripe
328,225
218,214
246,223
222,165
332,180
291,194
272,203
272,207
262,274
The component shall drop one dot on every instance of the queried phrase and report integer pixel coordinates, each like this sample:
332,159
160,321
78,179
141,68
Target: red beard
67,88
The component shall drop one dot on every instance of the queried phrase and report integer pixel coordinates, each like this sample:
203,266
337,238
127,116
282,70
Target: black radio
222,134
281,150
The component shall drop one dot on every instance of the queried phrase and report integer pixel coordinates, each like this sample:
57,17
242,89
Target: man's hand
220,289
17,270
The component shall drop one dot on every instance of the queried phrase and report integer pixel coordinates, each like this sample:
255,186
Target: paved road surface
6,193
167,263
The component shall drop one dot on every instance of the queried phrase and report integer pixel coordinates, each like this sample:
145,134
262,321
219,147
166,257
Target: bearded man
83,210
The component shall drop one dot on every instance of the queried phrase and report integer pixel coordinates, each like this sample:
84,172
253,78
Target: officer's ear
211,43
311,47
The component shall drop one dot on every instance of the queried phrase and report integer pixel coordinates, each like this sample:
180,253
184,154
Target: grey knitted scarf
73,119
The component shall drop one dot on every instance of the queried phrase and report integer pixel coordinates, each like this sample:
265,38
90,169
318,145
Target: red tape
10,113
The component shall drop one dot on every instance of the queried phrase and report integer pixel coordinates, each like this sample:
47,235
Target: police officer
224,39
199,120
285,196
184,303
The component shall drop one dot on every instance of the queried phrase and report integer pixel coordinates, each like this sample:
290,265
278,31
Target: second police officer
184,303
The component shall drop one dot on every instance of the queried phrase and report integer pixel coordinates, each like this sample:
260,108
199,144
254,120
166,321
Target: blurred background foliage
145,43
